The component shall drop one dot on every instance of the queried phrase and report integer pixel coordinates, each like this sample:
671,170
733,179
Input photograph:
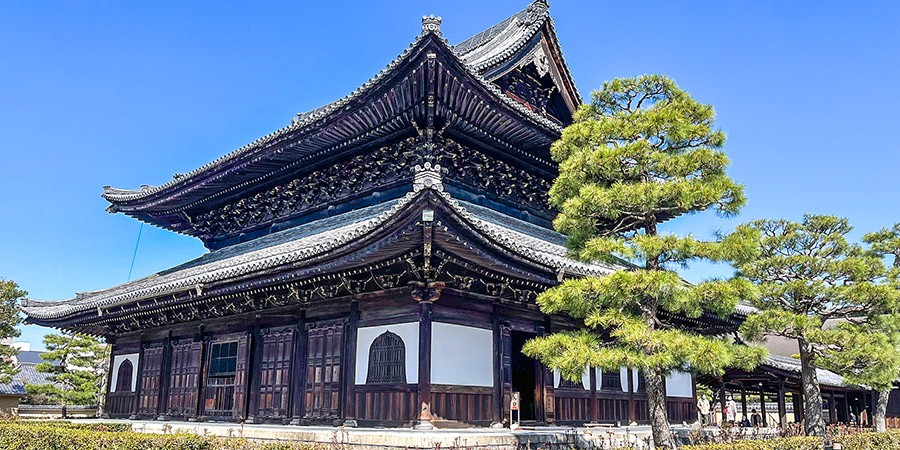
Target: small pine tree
641,152
809,276
77,375
10,294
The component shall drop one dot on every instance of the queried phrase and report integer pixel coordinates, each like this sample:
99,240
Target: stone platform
531,438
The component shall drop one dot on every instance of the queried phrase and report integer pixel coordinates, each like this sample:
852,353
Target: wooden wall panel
120,404
461,403
573,405
184,379
275,373
323,377
149,381
387,403
681,409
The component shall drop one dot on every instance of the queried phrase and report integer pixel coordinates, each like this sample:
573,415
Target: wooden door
323,371
184,378
275,373
151,368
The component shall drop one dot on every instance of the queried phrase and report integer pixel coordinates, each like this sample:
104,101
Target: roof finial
431,24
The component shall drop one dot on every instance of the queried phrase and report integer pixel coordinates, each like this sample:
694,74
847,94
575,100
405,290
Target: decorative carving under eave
474,168
427,292
349,178
526,90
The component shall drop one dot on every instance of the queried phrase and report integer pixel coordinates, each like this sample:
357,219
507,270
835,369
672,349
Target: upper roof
388,105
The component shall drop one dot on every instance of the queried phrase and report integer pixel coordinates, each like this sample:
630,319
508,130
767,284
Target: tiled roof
481,53
788,364
544,247
27,375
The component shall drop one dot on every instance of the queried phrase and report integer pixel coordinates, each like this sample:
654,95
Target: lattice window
611,381
565,383
387,360
123,380
223,361
642,382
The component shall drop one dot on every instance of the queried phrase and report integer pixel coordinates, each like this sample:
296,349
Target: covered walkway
777,381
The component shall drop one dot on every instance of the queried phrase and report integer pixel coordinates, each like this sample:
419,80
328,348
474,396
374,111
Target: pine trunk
812,395
656,401
880,416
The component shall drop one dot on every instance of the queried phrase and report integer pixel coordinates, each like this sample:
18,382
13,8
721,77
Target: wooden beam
424,386
782,408
722,401
350,369
497,393
762,406
109,373
299,369
595,407
632,408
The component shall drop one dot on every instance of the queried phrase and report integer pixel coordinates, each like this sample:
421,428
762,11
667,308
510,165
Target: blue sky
123,94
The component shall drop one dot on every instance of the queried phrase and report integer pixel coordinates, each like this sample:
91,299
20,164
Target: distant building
12,392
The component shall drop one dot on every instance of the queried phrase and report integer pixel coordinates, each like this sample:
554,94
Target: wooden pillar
253,372
424,387
547,396
744,401
847,407
762,405
162,405
298,394
832,411
802,412
497,391
201,375
595,407
782,408
632,406
137,373
350,369
109,375
722,400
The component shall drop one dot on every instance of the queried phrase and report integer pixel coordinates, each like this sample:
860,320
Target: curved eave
276,146
547,258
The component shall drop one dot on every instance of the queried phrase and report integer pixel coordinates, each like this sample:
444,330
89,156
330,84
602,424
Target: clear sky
128,93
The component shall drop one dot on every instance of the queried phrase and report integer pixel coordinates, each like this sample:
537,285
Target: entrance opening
523,375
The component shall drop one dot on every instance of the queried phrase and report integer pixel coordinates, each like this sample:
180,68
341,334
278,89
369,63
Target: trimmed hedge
870,441
18,435
793,443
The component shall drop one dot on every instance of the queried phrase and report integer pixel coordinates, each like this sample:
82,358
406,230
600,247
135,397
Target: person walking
703,409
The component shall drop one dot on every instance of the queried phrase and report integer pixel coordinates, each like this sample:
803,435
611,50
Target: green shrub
793,443
22,435
870,441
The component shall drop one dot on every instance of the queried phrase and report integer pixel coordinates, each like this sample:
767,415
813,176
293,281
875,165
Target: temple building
374,262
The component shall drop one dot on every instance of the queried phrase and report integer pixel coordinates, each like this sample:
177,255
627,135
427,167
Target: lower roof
542,247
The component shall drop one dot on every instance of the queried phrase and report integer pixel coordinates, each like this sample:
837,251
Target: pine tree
10,294
77,375
809,277
886,242
642,152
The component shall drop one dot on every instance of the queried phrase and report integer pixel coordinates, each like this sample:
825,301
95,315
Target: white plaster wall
117,361
408,331
678,384
585,379
461,355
